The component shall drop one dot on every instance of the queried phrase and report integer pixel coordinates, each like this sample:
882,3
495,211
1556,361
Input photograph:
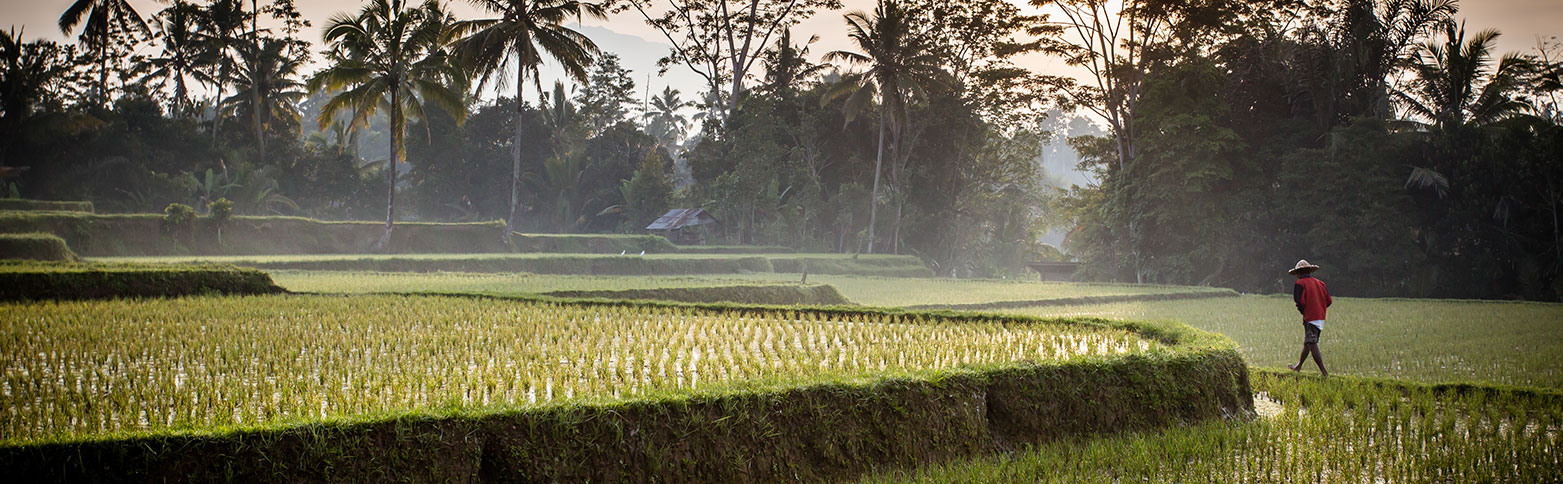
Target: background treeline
1382,139
210,100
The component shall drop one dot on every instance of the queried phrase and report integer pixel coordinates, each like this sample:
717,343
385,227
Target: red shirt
1311,297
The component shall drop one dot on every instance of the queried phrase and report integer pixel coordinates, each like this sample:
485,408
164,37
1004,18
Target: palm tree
103,22
1456,86
27,70
663,121
786,65
516,41
1455,83
389,57
267,74
182,56
900,59
222,37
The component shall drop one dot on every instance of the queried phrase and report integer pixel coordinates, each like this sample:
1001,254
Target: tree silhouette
516,41
389,57
899,60
103,22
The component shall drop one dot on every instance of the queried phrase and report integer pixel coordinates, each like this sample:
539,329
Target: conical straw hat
1303,267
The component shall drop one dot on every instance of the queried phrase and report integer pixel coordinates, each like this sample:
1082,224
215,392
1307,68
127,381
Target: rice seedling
1511,343
82,369
1336,431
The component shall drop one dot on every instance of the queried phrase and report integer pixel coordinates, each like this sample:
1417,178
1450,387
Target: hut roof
682,217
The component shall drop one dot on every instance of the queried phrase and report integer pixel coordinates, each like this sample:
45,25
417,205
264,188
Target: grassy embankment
35,247
332,388
18,204
31,280
1341,430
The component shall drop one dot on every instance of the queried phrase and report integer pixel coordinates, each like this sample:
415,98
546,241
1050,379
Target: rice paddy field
864,290
487,284
76,370
387,344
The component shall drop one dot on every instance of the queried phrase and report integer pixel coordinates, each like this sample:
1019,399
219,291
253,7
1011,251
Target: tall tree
182,55
1456,83
608,95
722,41
787,65
900,61
27,69
1350,54
223,36
104,23
515,42
392,57
266,69
663,121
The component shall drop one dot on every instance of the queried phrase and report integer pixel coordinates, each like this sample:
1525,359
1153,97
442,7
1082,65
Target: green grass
82,369
488,284
1343,430
929,291
34,246
872,291
17,204
1423,340
1510,343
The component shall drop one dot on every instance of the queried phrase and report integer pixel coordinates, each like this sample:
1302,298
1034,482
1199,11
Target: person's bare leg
1318,358
1301,359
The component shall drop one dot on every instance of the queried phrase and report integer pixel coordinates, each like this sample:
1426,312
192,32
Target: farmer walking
1312,298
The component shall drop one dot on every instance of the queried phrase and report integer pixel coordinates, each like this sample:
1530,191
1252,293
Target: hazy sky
1520,20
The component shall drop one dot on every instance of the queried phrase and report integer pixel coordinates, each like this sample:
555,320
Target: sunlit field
1309,430
901,292
1509,343
508,284
94,368
865,290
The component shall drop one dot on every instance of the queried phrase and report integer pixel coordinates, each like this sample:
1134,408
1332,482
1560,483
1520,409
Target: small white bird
643,253
622,252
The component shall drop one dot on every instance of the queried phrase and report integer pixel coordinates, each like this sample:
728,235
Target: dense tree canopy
1218,141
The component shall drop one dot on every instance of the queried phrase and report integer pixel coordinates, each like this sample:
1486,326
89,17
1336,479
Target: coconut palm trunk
515,155
396,155
873,197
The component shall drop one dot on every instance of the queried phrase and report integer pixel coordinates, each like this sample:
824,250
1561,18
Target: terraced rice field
1511,343
76,370
1337,431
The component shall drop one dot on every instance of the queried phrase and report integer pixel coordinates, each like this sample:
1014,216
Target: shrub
219,211
178,218
35,246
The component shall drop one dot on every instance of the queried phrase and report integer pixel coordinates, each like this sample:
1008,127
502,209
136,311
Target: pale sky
1521,21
